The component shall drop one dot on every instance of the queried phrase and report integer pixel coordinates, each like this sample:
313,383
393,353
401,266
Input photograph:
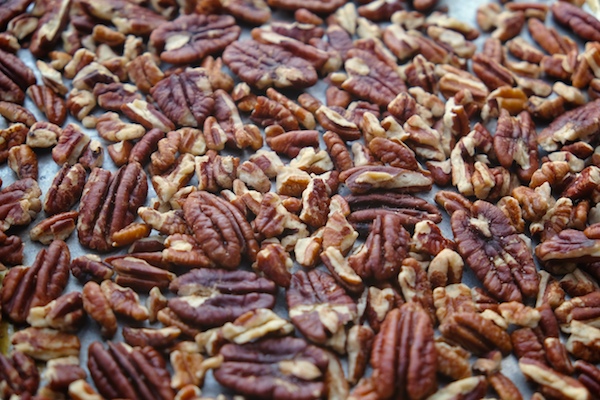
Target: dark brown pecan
584,342
65,314
144,72
583,24
569,245
49,103
475,333
59,226
380,257
515,141
90,267
491,246
578,124
19,203
274,369
319,308
23,161
10,10
110,96
248,60
124,301
15,113
11,250
290,143
98,308
61,372
411,209
15,78
27,287
147,145
315,6
14,135
18,374
404,355
358,346
190,38
212,297
589,375
371,79
157,338
183,250
109,203
219,79
123,371
127,17
216,172
66,189
220,229
142,271
186,98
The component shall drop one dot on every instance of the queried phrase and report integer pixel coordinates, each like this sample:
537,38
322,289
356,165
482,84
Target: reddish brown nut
204,292
23,161
498,269
14,135
358,347
589,375
147,145
552,381
110,96
11,250
205,212
124,301
98,308
245,59
58,227
61,372
190,38
66,189
475,333
48,103
15,113
11,10
157,338
65,314
144,72
147,115
286,366
583,24
50,26
27,287
138,372
452,361
71,145
45,344
15,78
515,141
185,98
109,203
409,370
275,263
128,17
19,375
20,203
137,273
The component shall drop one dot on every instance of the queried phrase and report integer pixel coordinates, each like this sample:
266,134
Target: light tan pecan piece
129,18
144,72
409,369
45,344
27,287
147,115
124,301
452,361
501,259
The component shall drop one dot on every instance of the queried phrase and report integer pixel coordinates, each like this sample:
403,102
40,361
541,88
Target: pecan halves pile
501,259
220,229
38,285
277,369
109,203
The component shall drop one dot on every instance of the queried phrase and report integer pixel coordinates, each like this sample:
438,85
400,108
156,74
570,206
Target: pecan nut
58,227
90,267
583,24
97,307
45,344
19,375
65,314
23,161
475,333
15,78
49,103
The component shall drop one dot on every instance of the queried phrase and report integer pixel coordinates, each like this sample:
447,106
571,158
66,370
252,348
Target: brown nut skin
15,78
409,369
65,314
190,38
90,267
125,372
23,161
275,263
276,369
98,308
59,226
583,24
491,246
19,203
144,72
233,294
49,103
19,375
11,250
246,59
147,145
14,135
27,287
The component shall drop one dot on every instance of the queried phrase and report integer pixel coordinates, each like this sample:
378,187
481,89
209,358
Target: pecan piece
365,179
58,227
50,26
186,98
11,250
319,307
211,297
66,189
475,333
127,17
45,344
190,38
569,245
135,272
248,59
274,369
72,143
144,72
515,141
18,374
580,123
491,246
14,135
49,103
27,287
15,78
110,96
98,308
23,161
65,314
19,203
90,267
220,228
147,115
583,24
124,301
126,372
404,354
552,381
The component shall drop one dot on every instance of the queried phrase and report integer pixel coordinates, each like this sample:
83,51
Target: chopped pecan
584,341
65,314
341,271
61,372
366,179
58,227
147,145
496,262
568,245
410,370
71,145
578,283
14,135
135,272
19,375
45,344
111,127
284,367
147,115
552,381
589,375
127,17
124,301
98,308
49,103
122,371
90,267
144,72
110,96
204,293
320,308
11,250
452,361
515,140
27,287
275,263
23,161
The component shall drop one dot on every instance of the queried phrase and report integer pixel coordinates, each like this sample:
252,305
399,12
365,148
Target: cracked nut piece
404,355
132,373
255,325
579,21
11,250
319,307
580,123
139,274
19,203
276,369
275,263
15,78
65,314
515,141
43,135
553,382
57,227
49,103
475,333
19,375
96,305
23,161
500,257
190,38
212,297
248,60
45,344
27,287
124,301
90,267
61,372
72,143
370,178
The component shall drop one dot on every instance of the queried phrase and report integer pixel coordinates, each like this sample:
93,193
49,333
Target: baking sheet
464,10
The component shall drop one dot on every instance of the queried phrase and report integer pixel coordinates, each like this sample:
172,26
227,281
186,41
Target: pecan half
491,246
404,355
23,161
58,227
583,24
274,369
18,374
14,135
90,267
552,381
475,333
15,78
65,314
11,250
580,123
515,141
19,203
212,297
127,17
